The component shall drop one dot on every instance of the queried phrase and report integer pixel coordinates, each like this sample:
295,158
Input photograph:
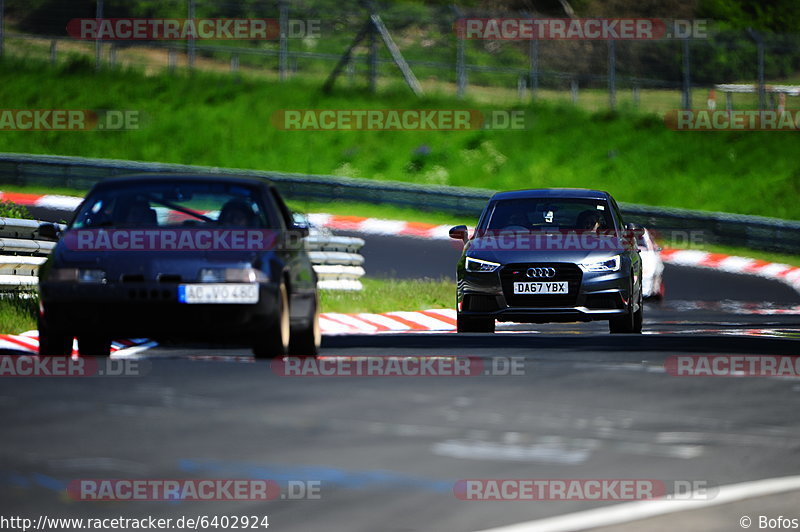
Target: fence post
762,100
687,80
372,70
234,63
612,74
2,27
190,45
112,55
283,47
461,69
533,66
53,50
762,103
97,42
635,95
171,59
573,89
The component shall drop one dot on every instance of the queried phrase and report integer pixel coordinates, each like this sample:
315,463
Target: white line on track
635,511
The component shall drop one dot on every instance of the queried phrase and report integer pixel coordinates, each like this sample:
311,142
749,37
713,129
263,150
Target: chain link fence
656,74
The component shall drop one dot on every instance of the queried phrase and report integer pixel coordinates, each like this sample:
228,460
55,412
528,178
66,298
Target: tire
94,346
631,322
305,342
474,325
53,342
274,342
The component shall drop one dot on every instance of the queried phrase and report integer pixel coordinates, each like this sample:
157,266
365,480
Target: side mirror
48,231
301,229
459,232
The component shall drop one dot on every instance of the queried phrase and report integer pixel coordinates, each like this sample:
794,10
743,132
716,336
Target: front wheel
274,342
94,346
466,324
630,322
53,342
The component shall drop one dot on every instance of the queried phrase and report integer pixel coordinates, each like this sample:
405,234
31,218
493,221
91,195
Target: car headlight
606,265
478,265
77,275
232,275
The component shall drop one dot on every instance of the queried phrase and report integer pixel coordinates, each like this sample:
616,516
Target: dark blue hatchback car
180,256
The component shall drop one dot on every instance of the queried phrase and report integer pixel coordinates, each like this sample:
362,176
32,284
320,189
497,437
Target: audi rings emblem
541,272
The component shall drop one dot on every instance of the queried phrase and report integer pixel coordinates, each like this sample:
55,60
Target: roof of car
581,193
159,178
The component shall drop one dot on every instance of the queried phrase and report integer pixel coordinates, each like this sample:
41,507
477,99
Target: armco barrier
21,253
754,232
335,259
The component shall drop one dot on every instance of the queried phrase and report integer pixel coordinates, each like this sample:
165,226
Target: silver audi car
550,255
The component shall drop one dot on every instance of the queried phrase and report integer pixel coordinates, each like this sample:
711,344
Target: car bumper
595,296
151,310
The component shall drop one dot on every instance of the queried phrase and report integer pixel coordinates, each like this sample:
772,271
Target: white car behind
652,267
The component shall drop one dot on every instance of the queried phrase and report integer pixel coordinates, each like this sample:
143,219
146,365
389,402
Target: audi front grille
516,272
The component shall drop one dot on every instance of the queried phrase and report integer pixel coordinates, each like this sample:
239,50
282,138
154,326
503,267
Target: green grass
388,295
212,119
17,313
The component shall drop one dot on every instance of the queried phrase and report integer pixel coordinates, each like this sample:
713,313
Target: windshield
549,215
177,204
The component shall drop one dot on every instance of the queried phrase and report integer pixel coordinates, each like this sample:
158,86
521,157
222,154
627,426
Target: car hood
512,250
151,264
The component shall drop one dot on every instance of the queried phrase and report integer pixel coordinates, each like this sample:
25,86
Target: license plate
548,287
211,293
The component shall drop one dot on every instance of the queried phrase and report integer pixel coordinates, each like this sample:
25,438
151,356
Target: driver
589,221
236,212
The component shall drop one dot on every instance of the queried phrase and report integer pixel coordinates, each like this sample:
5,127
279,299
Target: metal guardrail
755,232
335,259
20,253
